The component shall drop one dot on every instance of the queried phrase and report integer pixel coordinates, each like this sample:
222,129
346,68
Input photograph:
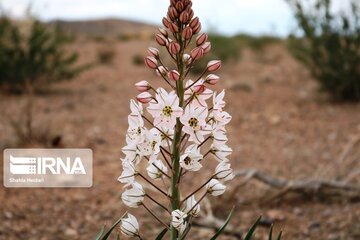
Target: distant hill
105,27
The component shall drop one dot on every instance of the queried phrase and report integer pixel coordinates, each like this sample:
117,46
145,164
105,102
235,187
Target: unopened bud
212,79
199,89
174,75
197,29
163,32
207,47
191,13
184,17
166,22
173,28
142,86
173,2
153,52
151,62
187,59
161,40
173,14
197,53
174,48
194,23
187,33
161,71
201,39
144,97
179,6
213,65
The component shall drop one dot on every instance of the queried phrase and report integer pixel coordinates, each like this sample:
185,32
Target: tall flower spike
176,131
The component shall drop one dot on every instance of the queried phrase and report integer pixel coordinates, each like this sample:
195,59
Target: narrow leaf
106,236
224,226
161,234
279,236
252,230
271,232
100,233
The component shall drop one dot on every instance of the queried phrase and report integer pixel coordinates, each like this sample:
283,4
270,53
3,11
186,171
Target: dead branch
304,185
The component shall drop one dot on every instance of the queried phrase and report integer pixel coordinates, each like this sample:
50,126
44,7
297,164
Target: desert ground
281,126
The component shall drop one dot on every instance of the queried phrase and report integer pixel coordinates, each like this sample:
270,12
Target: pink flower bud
153,52
184,17
212,79
194,22
163,32
197,29
151,62
187,33
187,59
161,71
197,53
174,48
199,89
142,86
161,40
206,47
166,22
179,6
173,2
214,65
144,97
173,28
201,39
191,13
173,14
174,75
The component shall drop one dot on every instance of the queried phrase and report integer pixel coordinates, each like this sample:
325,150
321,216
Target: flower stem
175,194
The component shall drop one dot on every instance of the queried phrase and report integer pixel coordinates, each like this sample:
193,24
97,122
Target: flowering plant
175,131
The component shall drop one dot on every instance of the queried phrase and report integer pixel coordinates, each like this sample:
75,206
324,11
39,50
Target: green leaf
271,232
100,233
252,230
279,236
161,234
224,226
106,236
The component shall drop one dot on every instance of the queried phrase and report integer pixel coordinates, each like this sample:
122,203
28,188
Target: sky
256,17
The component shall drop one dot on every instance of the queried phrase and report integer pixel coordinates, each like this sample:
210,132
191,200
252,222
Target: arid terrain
281,126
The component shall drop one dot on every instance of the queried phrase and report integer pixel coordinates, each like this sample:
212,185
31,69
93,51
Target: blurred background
292,74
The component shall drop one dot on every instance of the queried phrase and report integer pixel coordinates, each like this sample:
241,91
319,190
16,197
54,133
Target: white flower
136,108
194,121
198,99
136,130
134,196
219,134
221,151
224,172
129,226
178,220
128,174
132,153
218,101
190,160
156,168
151,144
166,109
215,188
192,206
219,115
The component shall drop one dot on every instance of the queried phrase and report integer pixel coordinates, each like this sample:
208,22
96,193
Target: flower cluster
175,131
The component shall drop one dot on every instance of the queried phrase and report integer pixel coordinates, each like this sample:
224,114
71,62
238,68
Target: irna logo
46,165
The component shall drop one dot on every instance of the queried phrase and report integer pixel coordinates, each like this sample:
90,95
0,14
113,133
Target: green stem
175,194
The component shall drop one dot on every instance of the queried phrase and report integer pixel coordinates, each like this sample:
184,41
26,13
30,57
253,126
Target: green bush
330,47
33,60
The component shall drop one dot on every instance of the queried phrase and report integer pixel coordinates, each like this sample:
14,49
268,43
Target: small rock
276,215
